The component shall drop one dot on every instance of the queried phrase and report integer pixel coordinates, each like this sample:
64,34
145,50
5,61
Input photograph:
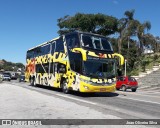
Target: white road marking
142,94
150,92
76,99
139,100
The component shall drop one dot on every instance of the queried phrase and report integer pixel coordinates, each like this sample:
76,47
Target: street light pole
125,67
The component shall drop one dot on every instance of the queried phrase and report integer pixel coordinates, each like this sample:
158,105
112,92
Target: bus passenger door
56,75
60,70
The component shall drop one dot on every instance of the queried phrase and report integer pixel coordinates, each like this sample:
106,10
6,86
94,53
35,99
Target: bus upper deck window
72,41
87,41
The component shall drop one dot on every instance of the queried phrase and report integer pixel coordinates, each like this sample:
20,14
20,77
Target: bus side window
53,47
59,45
61,68
45,49
38,52
30,54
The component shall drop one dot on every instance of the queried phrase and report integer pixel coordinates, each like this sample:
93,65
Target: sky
28,23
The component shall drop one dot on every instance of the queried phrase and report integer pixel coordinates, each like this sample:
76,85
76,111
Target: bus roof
65,34
44,43
81,32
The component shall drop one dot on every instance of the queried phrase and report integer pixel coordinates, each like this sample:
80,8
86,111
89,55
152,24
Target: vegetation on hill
128,36
9,66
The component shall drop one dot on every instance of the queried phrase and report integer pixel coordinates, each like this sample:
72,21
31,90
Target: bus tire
32,81
117,88
64,87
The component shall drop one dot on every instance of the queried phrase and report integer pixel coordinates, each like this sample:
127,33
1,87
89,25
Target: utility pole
125,68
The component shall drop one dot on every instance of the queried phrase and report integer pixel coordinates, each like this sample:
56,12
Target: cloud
115,1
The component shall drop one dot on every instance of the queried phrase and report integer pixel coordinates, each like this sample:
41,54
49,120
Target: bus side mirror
120,57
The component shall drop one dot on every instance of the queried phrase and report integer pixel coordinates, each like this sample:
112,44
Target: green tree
95,23
124,28
157,38
131,56
141,29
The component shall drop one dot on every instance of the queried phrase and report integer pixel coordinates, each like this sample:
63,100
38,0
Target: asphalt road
143,104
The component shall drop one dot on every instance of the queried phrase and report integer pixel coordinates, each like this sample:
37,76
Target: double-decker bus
78,61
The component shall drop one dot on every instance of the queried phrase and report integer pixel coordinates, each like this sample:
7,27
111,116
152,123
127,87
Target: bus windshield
95,42
100,69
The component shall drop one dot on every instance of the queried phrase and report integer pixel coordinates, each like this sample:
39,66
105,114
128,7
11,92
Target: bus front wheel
65,88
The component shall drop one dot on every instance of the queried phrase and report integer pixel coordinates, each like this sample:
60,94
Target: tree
131,55
121,30
95,23
149,41
124,28
141,28
157,43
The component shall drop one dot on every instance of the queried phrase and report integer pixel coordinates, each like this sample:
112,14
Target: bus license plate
102,89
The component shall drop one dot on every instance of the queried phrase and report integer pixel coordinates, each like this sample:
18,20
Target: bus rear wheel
32,81
65,88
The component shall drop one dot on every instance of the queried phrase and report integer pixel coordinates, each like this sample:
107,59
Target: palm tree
121,30
123,25
141,29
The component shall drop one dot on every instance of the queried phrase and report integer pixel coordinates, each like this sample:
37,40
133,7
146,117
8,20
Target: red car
126,82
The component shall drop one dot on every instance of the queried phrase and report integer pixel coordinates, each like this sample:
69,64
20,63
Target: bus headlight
86,87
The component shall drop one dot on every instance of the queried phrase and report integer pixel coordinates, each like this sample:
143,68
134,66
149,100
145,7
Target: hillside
2,62
10,66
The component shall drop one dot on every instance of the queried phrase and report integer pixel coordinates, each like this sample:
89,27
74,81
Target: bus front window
95,42
100,69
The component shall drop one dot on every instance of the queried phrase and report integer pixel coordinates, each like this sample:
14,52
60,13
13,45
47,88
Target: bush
155,57
134,72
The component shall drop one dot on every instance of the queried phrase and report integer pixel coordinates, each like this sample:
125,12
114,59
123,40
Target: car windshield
5,75
95,42
100,69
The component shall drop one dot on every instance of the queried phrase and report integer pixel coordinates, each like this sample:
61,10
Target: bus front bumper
84,87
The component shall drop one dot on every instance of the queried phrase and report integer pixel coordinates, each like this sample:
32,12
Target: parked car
6,76
13,74
22,78
126,82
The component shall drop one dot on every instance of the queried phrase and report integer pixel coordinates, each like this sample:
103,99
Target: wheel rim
65,89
